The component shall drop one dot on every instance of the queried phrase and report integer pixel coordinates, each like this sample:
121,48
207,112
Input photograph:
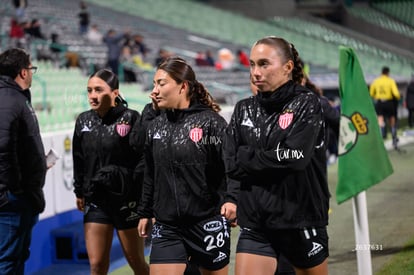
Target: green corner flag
363,160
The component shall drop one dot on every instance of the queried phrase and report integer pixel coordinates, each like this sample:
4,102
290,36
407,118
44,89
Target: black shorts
386,108
303,248
121,217
207,243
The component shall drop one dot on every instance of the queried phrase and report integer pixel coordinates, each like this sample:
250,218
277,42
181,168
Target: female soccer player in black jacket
275,146
106,187
184,183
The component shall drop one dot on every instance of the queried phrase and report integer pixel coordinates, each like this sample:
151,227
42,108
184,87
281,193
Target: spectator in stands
83,18
200,59
126,60
61,55
132,64
94,35
409,102
106,183
20,9
26,27
163,54
225,59
16,34
115,42
34,29
274,145
385,93
204,59
22,162
56,46
138,46
188,201
134,51
210,58
243,58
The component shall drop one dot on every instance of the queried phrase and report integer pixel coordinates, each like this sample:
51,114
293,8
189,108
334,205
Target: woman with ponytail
185,189
274,145
107,185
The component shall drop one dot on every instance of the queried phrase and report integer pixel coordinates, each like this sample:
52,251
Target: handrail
4,38
43,85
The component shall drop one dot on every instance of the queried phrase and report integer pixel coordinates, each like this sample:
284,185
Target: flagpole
362,243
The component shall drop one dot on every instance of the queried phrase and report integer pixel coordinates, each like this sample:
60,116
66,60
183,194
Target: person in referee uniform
385,93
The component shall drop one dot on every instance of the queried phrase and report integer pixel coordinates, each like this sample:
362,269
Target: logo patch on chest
196,134
123,129
285,120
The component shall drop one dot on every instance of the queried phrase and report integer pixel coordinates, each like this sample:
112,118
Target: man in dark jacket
22,161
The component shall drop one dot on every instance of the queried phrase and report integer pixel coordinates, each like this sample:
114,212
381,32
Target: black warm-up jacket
184,178
104,162
22,156
275,146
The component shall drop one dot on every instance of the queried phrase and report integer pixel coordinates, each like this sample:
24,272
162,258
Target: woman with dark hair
107,187
184,183
275,147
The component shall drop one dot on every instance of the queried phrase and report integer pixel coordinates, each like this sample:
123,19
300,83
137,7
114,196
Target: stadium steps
381,19
402,10
330,40
239,29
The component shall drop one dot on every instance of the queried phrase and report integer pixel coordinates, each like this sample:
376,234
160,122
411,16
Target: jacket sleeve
27,155
232,186
137,141
145,209
78,162
231,141
293,152
32,153
233,189
23,144
9,127
138,133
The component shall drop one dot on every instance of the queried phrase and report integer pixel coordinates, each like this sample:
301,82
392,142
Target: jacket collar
274,101
113,114
175,115
9,83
